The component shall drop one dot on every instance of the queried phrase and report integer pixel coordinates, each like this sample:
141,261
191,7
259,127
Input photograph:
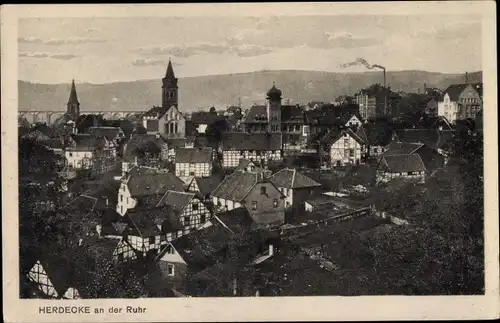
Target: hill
223,90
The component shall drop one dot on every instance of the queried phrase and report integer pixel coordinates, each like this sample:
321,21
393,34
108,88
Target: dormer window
263,191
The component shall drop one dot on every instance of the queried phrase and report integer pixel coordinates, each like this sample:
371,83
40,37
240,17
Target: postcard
249,162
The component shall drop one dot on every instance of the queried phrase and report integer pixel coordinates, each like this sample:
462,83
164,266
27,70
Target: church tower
274,109
73,106
169,88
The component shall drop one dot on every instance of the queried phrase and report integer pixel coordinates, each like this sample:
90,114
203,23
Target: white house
141,183
195,162
295,186
461,101
167,121
343,147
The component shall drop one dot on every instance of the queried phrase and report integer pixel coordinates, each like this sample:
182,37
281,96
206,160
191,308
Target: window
195,206
275,202
410,173
170,270
351,152
121,209
186,220
121,198
242,153
151,240
263,191
203,218
170,250
254,205
70,154
191,173
176,128
127,200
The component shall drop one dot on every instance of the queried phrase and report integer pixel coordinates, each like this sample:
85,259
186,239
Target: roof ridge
293,177
256,175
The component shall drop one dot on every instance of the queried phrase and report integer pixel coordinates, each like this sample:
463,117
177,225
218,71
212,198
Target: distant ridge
202,92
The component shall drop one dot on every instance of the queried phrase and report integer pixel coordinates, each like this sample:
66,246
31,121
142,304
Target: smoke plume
362,62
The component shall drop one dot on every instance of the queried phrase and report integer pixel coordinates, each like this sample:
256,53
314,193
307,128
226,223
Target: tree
213,110
215,130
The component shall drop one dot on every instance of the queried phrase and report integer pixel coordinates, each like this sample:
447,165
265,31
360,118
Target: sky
105,50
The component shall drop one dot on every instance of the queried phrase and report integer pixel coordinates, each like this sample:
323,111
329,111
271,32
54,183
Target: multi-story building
343,147
83,149
257,194
373,101
295,186
461,101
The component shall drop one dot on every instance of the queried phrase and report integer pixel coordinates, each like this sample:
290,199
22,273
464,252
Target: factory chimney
466,78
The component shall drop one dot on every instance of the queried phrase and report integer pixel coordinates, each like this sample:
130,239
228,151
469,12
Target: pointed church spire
73,98
170,71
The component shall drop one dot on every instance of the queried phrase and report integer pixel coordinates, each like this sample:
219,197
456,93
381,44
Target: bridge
51,116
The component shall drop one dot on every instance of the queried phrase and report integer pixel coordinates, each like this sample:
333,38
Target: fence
308,228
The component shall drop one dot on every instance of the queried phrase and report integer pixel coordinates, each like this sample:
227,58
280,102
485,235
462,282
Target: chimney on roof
98,228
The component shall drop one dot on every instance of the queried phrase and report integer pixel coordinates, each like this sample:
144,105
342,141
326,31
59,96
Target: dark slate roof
193,155
419,136
333,135
101,248
153,183
142,222
237,220
290,178
86,142
156,112
107,190
292,114
243,163
256,113
403,163
455,90
433,122
207,184
330,115
177,200
59,269
53,143
321,200
45,130
204,117
251,141
111,133
203,247
401,148
82,203
236,186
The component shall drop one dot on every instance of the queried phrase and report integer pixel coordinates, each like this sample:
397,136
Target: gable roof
193,155
290,178
59,269
237,220
207,184
110,133
156,112
177,200
455,90
236,186
403,163
256,114
334,134
243,163
86,142
142,142
203,247
251,141
401,148
142,222
152,183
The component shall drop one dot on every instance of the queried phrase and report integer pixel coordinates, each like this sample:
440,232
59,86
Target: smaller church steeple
169,88
73,106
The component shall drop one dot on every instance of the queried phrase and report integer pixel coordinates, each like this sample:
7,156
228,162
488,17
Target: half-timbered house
84,148
343,147
203,186
195,162
407,166
258,147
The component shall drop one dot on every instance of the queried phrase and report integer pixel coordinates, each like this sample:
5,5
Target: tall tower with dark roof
73,106
169,88
274,109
